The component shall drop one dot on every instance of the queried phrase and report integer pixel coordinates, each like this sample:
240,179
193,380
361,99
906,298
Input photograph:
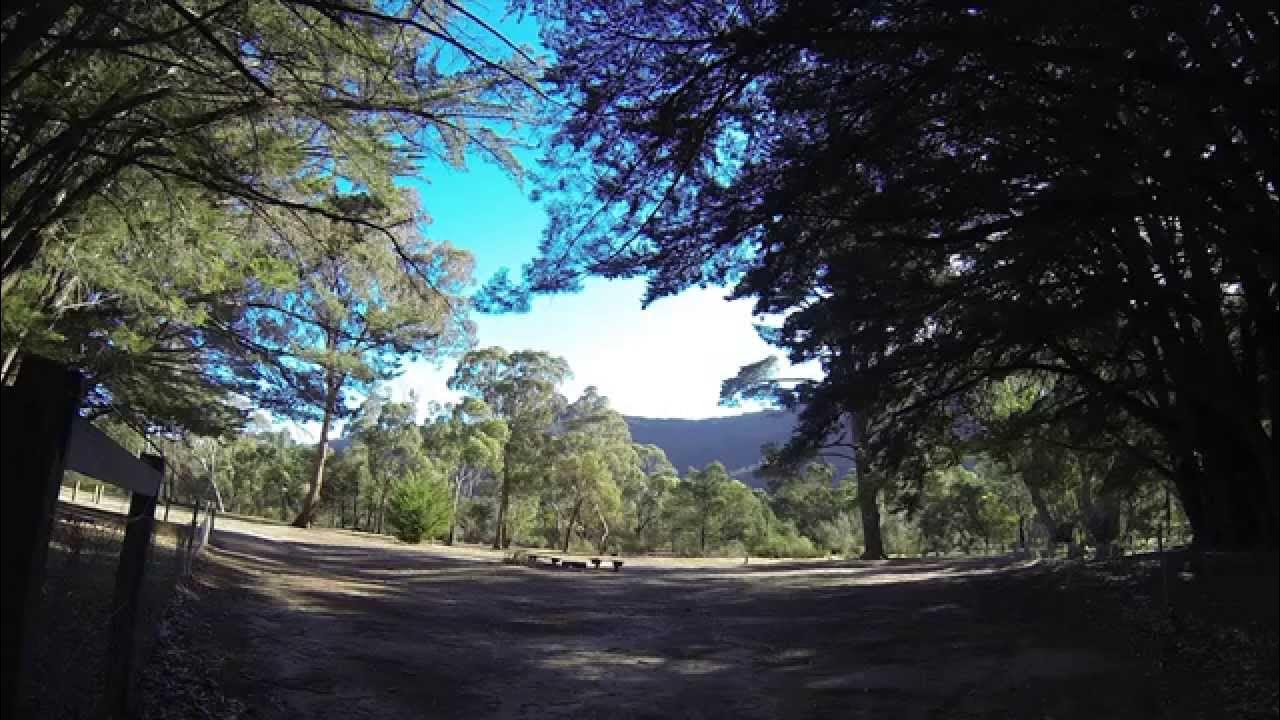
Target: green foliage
143,326
477,520
364,301
710,509
833,164
806,499
250,103
170,206
783,540
645,495
966,510
419,507
521,388
841,535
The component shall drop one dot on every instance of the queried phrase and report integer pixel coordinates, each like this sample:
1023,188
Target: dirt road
319,624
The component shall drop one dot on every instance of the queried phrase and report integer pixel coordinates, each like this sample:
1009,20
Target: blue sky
664,361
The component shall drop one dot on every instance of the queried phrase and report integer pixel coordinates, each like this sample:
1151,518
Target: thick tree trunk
1226,497
869,504
307,514
568,530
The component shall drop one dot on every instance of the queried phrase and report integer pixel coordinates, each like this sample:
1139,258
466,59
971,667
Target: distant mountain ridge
735,441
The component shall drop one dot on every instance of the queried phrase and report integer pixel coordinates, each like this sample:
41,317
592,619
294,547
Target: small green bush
419,508
843,534
784,541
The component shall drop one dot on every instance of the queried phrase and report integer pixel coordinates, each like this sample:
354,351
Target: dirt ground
324,624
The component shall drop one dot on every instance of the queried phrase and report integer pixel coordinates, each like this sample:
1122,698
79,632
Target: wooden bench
595,563
617,565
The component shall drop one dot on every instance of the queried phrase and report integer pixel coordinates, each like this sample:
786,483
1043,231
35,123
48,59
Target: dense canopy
938,196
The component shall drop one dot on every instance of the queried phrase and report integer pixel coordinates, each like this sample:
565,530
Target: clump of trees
934,200
199,208
1033,255
572,478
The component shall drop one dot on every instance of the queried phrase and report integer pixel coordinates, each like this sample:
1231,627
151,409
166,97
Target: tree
522,389
831,425
807,498
468,441
243,100
702,502
594,458
585,480
345,476
393,453
1075,473
645,494
259,474
136,322
358,304
420,506
936,197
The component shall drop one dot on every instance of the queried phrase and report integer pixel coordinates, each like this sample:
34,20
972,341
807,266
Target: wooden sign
93,453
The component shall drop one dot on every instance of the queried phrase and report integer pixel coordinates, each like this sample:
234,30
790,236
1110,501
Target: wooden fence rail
43,436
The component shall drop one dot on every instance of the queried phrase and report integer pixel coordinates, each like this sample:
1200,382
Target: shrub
419,508
476,521
784,541
843,534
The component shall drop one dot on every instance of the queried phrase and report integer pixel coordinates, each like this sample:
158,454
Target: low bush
785,541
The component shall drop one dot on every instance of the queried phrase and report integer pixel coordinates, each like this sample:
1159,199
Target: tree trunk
568,530
604,532
9,356
500,535
382,508
868,503
307,514
1225,494
453,517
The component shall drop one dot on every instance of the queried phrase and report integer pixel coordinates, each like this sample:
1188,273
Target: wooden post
213,520
37,414
167,486
130,573
191,536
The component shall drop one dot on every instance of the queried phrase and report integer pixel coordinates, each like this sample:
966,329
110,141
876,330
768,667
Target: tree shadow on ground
380,631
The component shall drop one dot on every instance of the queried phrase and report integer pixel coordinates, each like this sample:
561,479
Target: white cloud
664,361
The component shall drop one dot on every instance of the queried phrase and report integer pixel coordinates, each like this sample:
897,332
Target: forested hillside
734,441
